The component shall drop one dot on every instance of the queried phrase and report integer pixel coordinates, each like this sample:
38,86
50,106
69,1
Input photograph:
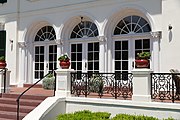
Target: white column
156,36
141,85
63,82
22,71
102,41
59,50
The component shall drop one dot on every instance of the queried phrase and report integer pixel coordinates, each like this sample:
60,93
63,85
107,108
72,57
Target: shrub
88,115
132,117
84,115
48,82
170,118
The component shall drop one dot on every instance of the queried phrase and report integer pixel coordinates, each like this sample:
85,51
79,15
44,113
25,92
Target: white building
98,35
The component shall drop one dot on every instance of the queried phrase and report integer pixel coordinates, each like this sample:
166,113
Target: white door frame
46,45
131,47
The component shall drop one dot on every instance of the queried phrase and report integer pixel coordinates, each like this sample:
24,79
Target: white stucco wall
63,15
170,39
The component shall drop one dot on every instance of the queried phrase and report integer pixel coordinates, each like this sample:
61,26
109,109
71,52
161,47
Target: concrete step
6,115
32,97
13,108
26,102
8,105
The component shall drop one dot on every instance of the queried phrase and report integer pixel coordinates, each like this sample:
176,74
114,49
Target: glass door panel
93,57
39,62
76,58
52,61
121,57
142,45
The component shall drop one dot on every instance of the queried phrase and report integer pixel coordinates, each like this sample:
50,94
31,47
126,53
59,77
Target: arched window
46,33
132,24
45,52
85,54
84,29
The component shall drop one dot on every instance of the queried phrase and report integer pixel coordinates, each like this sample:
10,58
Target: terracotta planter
64,64
142,63
2,64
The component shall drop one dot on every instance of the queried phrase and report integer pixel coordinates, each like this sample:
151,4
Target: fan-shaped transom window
84,29
46,33
132,24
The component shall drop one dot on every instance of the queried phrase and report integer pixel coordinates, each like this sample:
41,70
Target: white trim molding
156,34
22,44
102,38
59,41
2,26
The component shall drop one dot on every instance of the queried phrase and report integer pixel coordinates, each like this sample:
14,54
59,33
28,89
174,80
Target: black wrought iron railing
113,84
19,97
165,86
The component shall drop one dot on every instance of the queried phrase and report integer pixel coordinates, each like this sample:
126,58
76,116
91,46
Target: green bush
88,115
132,117
84,115
48,82
170,118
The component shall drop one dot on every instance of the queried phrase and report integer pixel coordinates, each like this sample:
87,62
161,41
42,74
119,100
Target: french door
125,52
85,57
45,60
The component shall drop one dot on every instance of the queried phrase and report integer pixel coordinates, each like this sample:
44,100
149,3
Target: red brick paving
32,91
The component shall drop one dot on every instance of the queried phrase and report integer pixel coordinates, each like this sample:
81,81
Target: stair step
13,108
33,97
22,101
6,115
36,86
29,101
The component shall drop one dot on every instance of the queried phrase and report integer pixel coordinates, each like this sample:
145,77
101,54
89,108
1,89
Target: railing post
4,80
141,85
63,82
173,95
54,82
17,109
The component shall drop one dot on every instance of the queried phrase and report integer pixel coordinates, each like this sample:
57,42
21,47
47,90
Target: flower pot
142,63
64,64
2,64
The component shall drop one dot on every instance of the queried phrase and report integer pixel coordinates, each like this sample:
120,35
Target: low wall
51,107
48,109
159,110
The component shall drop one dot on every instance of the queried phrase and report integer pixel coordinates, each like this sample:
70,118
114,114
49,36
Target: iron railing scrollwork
165,86
101,84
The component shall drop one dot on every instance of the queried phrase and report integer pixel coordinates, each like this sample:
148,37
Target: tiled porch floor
32,91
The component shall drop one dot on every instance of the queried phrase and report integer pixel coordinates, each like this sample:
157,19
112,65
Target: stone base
62,93
142,98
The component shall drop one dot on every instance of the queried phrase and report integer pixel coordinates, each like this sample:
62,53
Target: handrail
18,99
5,69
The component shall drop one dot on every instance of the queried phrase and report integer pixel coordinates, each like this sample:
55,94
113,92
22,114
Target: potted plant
2,62
142,60
64,61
